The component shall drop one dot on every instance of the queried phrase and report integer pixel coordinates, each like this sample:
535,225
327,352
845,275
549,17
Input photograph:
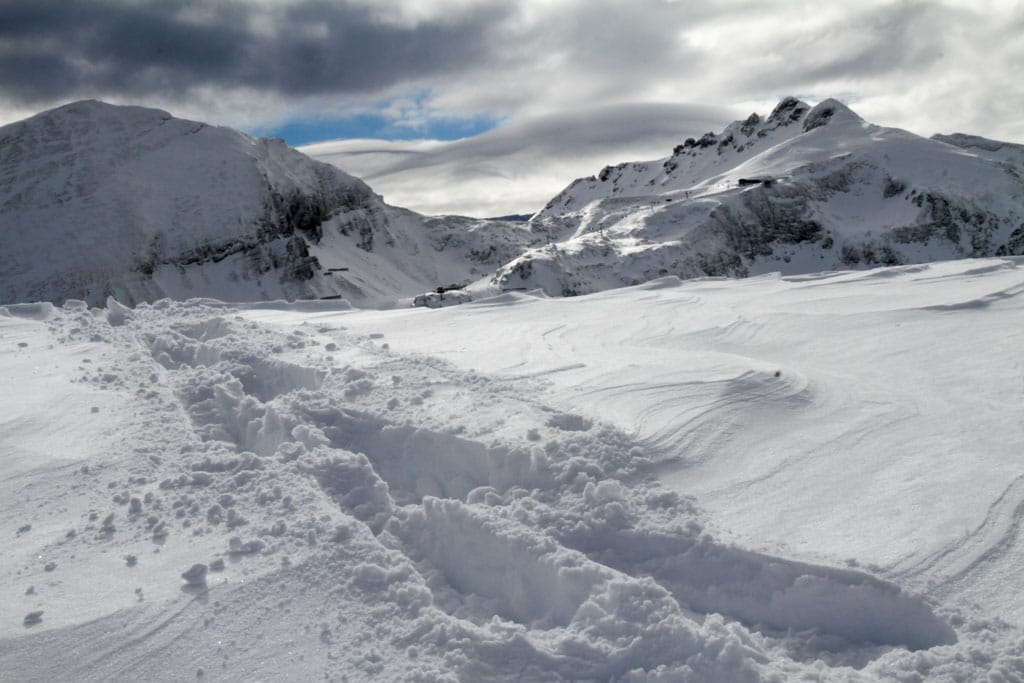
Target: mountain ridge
100,200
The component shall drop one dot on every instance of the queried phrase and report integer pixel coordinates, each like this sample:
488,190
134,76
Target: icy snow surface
783,478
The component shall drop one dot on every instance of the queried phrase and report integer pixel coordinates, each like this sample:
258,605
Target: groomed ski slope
801,478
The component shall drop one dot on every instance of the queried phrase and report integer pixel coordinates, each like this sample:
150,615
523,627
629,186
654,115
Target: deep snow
814,477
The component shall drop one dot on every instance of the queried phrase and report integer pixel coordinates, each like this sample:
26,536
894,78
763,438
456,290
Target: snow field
485,492
762,394
861,419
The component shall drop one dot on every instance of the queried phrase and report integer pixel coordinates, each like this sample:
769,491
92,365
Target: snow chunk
570,423
117,313
35,311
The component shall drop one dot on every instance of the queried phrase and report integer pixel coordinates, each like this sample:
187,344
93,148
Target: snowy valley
223,461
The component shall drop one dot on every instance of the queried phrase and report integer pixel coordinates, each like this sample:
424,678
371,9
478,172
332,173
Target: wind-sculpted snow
289,493
802,190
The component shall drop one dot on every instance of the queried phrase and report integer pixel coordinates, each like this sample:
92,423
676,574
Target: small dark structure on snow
745,182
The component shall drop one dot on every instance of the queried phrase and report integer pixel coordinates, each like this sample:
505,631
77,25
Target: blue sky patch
304,132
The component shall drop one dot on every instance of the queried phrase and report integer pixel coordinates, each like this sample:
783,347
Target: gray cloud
919,64
61,49
878,43
625,125
517,168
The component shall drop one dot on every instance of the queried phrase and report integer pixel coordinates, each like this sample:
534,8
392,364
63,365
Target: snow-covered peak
802,190
694,164
85,119
744,135
788,110
100,200
79,148
92,109
830,111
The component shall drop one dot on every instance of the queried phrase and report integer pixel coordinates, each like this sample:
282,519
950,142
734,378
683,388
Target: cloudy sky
489,107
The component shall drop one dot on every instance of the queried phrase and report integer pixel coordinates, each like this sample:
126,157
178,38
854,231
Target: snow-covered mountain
802,190
99,200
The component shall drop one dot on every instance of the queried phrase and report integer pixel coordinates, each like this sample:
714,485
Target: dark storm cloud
60,49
